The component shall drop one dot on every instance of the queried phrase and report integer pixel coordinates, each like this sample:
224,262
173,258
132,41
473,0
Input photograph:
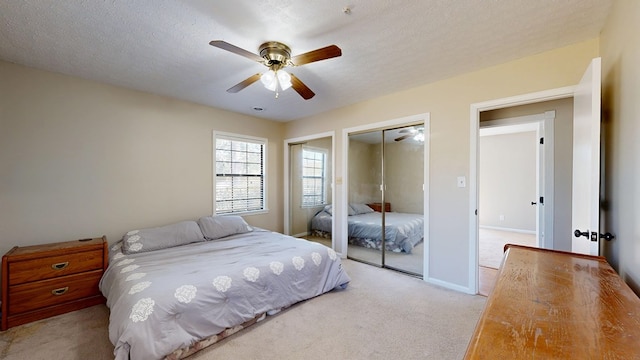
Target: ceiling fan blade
301,88
243,84
403,137
327,52
236,50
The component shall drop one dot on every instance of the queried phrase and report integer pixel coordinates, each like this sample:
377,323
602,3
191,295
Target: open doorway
539,134
511,175
576,165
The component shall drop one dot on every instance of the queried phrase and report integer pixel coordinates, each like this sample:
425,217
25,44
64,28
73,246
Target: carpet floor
412,263
381,315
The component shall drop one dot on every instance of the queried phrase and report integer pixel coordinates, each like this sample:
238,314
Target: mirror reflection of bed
403,234
387,167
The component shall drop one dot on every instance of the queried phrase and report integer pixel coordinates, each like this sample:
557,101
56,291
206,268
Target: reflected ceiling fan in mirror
415,133
277,56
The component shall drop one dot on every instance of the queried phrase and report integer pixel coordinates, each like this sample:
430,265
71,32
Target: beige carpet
408,262
412,263
491,245
381,315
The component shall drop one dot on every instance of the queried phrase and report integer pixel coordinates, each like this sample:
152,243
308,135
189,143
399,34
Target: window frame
325,189
247,139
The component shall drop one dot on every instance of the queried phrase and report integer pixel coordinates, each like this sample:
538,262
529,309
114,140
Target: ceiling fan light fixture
269,80
274,79
284,79
276,56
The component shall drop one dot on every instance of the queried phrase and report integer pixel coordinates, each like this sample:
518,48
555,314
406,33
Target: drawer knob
60,266
60,291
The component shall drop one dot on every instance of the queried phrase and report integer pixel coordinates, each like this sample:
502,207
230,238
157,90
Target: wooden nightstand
41,281
378,207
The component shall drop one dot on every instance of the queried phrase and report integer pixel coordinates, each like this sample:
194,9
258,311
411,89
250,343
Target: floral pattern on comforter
169,299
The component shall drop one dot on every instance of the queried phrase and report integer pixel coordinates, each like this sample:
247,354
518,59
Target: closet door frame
343,201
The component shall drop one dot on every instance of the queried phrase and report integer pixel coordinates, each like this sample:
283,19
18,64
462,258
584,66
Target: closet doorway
386,222
309,192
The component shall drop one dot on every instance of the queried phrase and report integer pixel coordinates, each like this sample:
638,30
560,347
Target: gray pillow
329,210
361,209
219,226
350,211
143,240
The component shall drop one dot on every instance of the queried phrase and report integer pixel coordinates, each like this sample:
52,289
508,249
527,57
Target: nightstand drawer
44,293
54,266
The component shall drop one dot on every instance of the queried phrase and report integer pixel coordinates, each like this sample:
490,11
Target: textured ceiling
162,47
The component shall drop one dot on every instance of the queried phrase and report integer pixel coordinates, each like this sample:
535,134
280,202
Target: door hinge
541,141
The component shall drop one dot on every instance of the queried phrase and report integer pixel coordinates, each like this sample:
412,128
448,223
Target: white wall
507,184
620,50
81,159
448,101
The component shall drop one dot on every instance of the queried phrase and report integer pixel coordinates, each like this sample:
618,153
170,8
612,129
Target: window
313,177
239,183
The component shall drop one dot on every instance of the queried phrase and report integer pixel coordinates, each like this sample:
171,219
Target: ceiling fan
277,56
411,132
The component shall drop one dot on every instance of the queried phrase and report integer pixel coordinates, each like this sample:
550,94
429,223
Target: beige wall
81,159
448,102
620,51
403,174
404,169
562,160
507,183
364,172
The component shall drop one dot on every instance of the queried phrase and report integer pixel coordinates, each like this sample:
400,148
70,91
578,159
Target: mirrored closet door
310,192
365,180
386,198
404,197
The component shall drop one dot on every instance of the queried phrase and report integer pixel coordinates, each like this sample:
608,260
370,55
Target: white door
540,177
585,214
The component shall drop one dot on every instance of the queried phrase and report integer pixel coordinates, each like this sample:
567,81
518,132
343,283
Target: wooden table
556,305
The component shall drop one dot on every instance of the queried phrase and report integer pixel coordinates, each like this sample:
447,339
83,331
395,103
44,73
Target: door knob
579,233
607,236
533,203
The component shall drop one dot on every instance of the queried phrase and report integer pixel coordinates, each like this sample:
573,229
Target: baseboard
532,232
449,285
301,234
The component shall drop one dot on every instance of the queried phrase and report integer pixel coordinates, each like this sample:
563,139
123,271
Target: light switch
462,181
